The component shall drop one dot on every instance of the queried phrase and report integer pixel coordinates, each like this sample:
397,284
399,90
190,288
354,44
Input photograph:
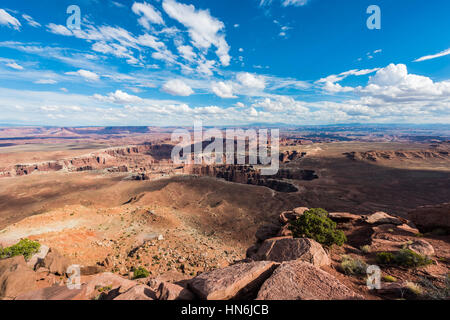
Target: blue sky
170,62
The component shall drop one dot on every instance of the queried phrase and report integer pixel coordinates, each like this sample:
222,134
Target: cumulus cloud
177,87
433,56
187,52
223,89
8,20
148,14
251,80
205,30
119,97
86,74
395,83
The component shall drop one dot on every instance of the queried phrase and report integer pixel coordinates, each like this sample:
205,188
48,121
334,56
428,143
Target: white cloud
203,29
223,89
394,83
88,75
45,81
434,56
251,80
187,52
295,3
59,29
119,97
151,42
330,84
8,20
14,65
148,14
31,21
177,87
285,3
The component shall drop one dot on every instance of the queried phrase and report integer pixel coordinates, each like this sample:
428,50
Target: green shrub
409,258
404,258
385,258
365,248
353,266
140,272
316,225
24,247
388,278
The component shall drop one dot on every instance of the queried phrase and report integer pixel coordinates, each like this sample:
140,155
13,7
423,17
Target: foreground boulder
299,280
55,262
170,291
383,218
139,292
292,215
239,281
15,277
429,218
50,293
286,249
105,283
343,216
422,247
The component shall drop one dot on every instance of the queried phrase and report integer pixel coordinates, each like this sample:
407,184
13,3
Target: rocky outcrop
375,156
54,262
291,155
239,281
247,174
50,293
286,249
291,215
15,277
383,218
344,216
171,291
138,292
429,218
422,247
299,280
108,284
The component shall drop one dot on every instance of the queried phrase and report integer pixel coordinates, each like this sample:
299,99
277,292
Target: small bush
24,247
353,266
409,258
404,258
365,249
414,288
385,258
388,278
140,272
315,224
